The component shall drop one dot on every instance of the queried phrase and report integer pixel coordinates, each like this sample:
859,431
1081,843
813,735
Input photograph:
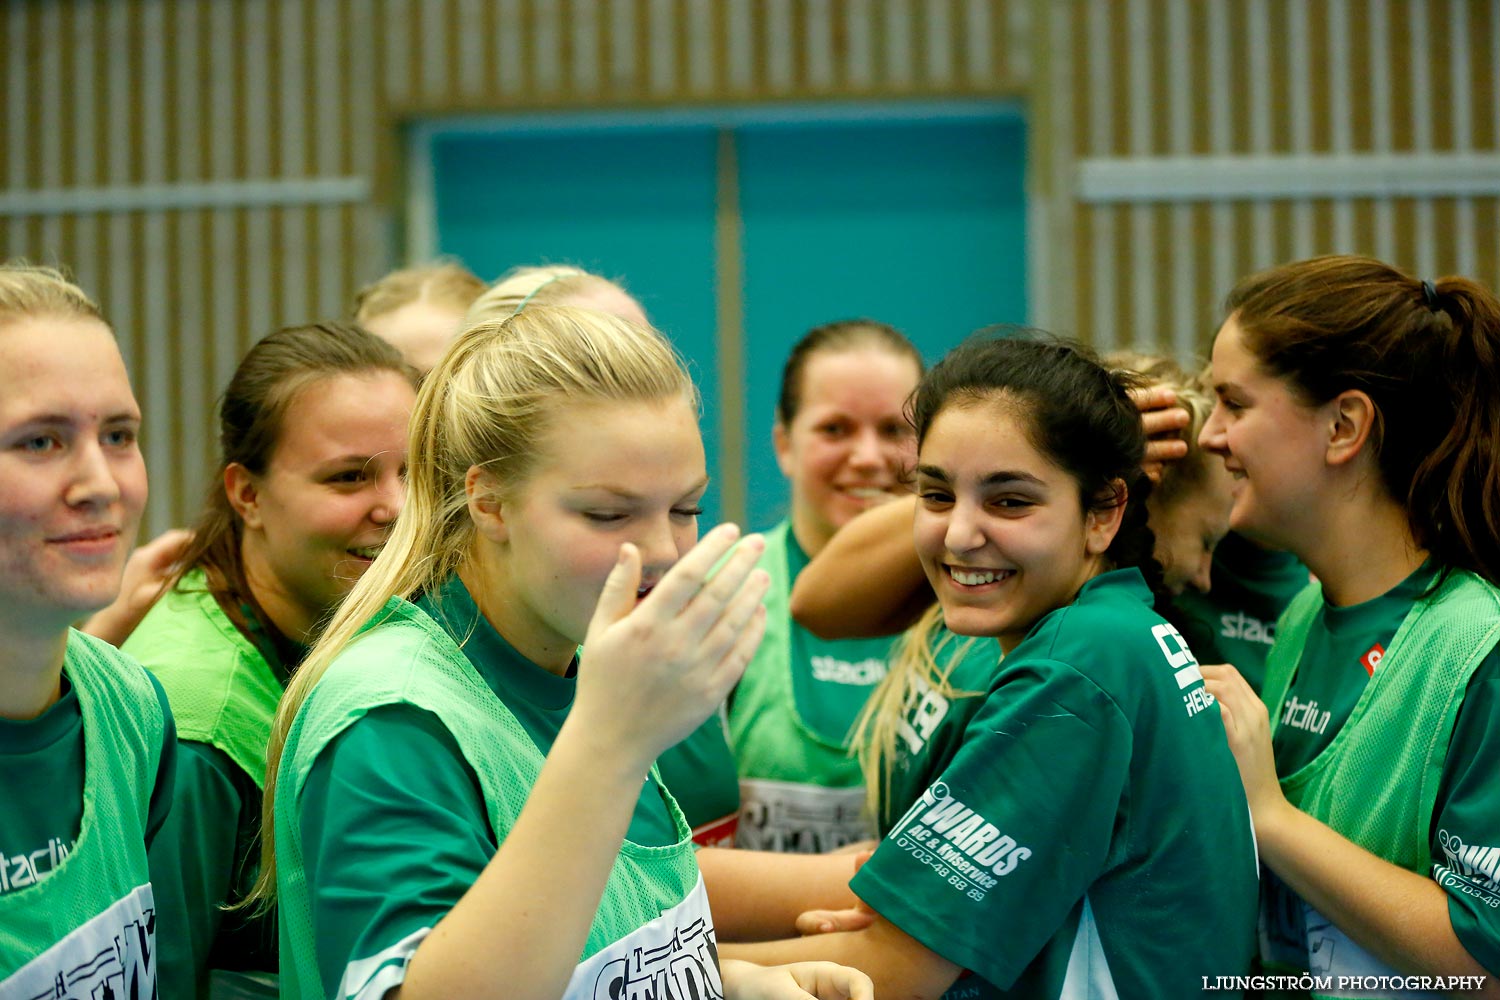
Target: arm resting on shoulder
867,580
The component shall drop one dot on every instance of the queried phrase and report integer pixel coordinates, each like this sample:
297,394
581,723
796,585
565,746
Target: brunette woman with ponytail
1091,785
1359,410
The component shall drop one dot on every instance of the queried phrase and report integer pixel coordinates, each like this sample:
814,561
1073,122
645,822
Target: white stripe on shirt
372,978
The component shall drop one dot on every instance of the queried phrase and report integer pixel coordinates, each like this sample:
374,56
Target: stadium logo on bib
1242,626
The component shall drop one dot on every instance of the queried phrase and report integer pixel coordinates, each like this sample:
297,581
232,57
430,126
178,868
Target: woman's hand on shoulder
655,667
797,981
148,570
1248,728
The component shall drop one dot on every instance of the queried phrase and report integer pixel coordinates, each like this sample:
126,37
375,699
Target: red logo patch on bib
1371,659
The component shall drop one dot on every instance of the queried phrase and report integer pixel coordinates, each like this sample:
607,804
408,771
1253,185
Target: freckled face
72,480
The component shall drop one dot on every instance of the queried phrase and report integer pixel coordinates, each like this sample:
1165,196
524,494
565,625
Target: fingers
618,597
831,921
1159,450
1171,420
728,668
684,580
830,981
166,548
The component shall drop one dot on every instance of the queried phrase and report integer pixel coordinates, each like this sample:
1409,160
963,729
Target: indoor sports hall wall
212,170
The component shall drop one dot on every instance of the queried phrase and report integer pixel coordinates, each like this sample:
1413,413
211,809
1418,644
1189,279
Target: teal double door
739,233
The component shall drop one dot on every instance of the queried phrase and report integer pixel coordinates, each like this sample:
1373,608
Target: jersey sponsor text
674,957
798,818
1184,666
1472,869
832,670
20,870
957,843
1242,626
112,955
1304,715
925,709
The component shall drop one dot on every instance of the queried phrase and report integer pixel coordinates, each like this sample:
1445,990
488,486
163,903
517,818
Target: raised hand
1164,422
654,669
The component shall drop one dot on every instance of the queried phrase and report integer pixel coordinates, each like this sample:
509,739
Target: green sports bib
654,896
91,924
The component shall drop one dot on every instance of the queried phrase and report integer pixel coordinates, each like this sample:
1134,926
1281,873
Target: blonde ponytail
487,405
925,657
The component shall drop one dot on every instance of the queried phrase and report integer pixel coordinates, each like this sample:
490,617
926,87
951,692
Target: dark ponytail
1428,355
1078,414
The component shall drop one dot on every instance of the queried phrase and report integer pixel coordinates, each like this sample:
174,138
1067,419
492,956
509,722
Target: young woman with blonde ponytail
460,805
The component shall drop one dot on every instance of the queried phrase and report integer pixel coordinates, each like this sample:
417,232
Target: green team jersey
87,788
1343,651
1088,834
700,774
789,721
396,826
935,718
223,688
1235,622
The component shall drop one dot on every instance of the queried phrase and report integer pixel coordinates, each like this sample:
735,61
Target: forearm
867,580
518,931
1399,916
756,895
901,967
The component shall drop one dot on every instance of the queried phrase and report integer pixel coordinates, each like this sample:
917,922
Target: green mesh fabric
408,658
769,739
122,736
221,689
1376,783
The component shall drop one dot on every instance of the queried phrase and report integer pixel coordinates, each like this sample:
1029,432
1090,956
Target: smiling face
606,473
1273,444
72,481
849,445
315,519
1000,530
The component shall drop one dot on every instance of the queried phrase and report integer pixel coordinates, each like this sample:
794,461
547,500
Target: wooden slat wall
1128,78
121,93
